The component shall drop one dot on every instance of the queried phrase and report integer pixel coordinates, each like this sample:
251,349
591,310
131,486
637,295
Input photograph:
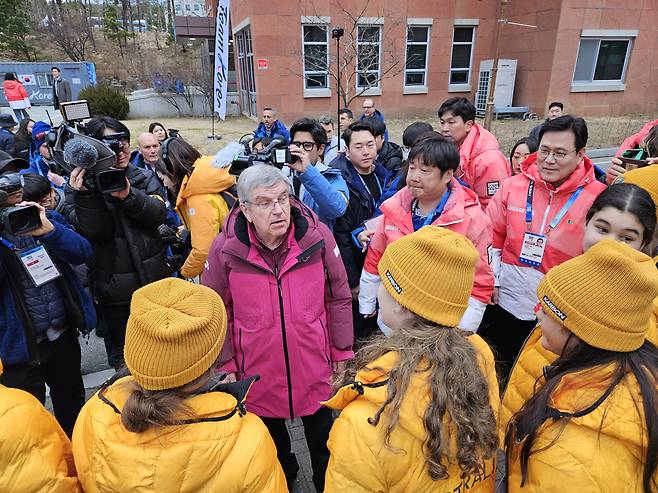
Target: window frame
325,23
417,88
461,86
369,90
592,85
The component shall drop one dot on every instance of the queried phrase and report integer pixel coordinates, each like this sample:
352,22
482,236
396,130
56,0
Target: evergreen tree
15,29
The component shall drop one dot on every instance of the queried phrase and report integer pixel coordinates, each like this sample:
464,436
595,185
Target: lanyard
374,201
559,216
439,208
9,244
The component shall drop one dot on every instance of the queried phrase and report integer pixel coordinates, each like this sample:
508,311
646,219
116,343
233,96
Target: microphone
80,154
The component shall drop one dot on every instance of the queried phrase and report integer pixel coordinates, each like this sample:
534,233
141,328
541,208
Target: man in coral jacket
432,197
482,167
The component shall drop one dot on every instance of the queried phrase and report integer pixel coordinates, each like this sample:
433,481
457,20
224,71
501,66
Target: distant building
191,8
597,57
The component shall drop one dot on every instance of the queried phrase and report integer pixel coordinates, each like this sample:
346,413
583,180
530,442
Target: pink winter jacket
287,326
634,140
462,214
482,166
14,90
518,281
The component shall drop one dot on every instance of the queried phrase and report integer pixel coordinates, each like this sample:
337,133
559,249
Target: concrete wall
147,103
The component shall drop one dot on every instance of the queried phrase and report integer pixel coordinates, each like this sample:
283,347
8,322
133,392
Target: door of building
246,71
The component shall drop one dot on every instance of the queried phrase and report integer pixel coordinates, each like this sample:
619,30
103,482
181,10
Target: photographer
123,229
319,186
43,306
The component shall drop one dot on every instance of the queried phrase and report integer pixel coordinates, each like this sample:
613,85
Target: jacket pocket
241,362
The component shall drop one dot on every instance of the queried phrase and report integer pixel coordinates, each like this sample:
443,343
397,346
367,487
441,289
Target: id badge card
39,266
532,249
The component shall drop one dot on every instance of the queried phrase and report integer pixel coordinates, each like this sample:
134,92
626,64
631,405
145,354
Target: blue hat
39,131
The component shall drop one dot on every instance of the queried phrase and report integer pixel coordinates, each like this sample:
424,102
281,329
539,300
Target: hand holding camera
122,194
300,160
44,227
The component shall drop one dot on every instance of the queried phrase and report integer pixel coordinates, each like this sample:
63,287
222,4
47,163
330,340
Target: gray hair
258,175
326,120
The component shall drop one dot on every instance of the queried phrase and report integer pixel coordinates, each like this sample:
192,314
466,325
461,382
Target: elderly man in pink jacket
280,274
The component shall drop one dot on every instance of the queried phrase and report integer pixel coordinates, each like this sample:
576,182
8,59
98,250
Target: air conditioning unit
504,93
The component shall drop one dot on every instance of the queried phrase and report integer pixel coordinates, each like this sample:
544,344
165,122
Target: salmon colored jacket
14,90
507,214
35,454
462,214
202,210
482,166
360,460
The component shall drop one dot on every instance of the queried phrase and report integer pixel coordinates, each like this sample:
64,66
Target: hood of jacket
582,175
205,178
11,85
478,141
397,209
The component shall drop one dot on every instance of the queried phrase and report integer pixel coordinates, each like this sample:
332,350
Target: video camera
71,149
16,219
277,153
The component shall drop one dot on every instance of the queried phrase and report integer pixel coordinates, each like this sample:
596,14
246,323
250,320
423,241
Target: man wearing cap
9,164
43,306
7,125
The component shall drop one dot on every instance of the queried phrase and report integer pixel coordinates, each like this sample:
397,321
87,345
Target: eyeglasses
544,152
307,146
268,205
367,107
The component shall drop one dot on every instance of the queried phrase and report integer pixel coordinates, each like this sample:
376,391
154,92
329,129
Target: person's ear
469,124
447,176
245,211
321,148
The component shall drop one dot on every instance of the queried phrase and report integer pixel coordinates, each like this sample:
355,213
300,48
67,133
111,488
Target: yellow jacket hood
205,179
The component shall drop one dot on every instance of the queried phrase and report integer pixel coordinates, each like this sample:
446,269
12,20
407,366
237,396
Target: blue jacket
324,190
17,334
278,128
380,116
6,141
38,166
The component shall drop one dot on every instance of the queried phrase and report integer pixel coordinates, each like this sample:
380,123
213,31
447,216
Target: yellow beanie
430,273
175,332
604,296
646,178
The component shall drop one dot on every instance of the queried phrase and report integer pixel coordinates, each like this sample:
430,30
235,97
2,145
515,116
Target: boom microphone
80,154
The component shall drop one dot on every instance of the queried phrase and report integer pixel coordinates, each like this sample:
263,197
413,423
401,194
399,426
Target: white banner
221,57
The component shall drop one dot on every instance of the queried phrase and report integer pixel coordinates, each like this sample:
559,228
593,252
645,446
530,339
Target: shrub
106,101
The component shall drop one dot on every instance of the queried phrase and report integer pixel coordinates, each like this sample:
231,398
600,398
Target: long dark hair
158,124
180,156
580,356
531,143
10,76
626,197
23,138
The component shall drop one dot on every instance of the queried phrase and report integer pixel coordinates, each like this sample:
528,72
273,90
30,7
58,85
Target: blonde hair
457,387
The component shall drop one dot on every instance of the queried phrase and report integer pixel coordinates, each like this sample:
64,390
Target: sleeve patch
492,188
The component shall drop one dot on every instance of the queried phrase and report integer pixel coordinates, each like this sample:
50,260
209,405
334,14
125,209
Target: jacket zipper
241,351
285,340
326,338
326,274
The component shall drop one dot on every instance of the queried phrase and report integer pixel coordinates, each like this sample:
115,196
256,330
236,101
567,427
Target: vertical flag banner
221,58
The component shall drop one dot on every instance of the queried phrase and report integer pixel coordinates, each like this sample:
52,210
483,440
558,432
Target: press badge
532,249
39,265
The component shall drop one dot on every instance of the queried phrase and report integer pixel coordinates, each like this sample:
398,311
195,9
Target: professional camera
16,219
276,154
71,149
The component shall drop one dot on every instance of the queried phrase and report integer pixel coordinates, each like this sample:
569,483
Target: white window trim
315,19
370,21
372,91
607,33
458,87
318,92
246,22
466,22
603,85
420,21
417,89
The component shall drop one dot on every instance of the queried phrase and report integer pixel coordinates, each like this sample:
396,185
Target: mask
382,326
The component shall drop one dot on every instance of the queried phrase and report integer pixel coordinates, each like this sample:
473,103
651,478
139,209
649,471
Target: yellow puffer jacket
222,450
360,461
202,209
600,451
35,454
529,367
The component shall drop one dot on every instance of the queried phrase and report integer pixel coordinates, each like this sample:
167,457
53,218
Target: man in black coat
61,88
123,230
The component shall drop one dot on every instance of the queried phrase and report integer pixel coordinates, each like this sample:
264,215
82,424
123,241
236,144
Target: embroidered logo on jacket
393,282
560,314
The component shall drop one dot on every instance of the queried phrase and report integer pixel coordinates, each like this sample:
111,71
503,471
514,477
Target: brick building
600,57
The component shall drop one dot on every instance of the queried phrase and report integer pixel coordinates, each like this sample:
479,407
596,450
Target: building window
415,68
197,7
463,38
602,60
44,80
316,56
368,57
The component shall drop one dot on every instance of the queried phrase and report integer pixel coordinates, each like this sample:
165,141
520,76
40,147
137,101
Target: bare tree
368,51
66,23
